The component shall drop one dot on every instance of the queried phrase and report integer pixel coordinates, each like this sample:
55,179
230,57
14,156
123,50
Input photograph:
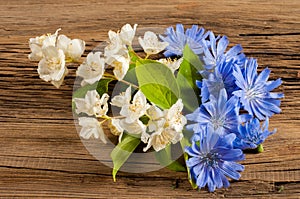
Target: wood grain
41,154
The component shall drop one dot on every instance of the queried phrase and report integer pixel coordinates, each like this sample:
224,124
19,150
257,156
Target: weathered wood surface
41,154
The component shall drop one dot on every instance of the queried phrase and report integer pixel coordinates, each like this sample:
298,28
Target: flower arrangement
209,100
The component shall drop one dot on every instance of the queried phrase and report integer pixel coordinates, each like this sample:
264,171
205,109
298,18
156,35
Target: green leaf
192,58
165,159
102,86
145,119
131,76
157,82
80,93
133,55
122,151
186,79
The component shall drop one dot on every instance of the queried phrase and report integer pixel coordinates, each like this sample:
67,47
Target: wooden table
41,154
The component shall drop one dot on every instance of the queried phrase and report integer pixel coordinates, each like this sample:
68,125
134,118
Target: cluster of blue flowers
235,100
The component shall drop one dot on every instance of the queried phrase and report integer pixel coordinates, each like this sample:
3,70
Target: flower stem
260,148
128,83
107,75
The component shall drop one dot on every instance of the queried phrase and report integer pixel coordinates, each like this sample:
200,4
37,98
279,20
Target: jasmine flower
151,44
212,158
91,127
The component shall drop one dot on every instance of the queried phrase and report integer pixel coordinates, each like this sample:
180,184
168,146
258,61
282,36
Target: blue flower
219,113
250,134
214,52
254,92
178,39
221,78
212,158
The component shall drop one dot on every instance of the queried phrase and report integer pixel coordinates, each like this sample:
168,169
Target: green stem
260,148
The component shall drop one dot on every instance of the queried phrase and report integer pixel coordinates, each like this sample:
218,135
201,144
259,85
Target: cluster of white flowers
165,126
52,52
162,127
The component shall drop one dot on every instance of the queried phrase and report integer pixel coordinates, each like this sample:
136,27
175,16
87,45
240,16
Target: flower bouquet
184,95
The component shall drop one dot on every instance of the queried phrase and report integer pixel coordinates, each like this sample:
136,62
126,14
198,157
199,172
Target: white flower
121,66
73,49
151,44
122,99
175,118
127,34
157,119
172,64
52,66
92,69
118,126
92,104
165,125
161,138
91,128
137,108
116,47
134,127
36,44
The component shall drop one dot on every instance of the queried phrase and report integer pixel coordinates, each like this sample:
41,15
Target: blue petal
229,171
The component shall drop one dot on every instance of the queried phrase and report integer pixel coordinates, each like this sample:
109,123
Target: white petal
172,64
75,49
52,66
92,104
91,128
36,52
121,66
63,42
151,44
37,43
72,48
137,127
136,109
155,113
114,48
122,99
174,116
127,33
92,69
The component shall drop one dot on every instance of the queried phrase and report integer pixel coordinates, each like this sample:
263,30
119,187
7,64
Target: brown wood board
41,154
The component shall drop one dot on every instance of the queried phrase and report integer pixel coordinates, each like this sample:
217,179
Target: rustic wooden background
41,154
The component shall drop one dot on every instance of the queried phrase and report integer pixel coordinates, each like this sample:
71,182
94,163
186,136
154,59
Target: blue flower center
251,94
211,159
217,122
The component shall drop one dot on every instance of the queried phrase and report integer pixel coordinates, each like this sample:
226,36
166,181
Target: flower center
217,122
251,94
211,159
54,63
118,66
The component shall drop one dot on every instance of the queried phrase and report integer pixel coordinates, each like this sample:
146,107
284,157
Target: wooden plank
41,154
